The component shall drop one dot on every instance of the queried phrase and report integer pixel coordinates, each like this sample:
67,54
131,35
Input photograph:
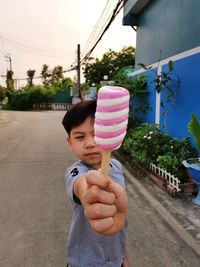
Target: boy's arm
125,260
104,202
80,187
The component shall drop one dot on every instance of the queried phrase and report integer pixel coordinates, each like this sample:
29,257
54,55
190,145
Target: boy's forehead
85,126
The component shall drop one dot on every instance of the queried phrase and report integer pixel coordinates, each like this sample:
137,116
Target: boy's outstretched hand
104,202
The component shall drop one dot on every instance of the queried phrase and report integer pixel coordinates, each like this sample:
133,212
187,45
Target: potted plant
193,164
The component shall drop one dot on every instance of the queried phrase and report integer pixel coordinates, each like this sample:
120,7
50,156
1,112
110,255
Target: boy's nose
90,143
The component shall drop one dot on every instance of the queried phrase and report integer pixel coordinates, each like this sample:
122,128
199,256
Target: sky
37,32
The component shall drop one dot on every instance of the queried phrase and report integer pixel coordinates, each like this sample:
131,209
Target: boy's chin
94,163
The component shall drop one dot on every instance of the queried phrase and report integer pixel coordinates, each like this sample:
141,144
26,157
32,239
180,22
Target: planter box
158,180
187,189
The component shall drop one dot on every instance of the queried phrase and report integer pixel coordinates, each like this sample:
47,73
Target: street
34,212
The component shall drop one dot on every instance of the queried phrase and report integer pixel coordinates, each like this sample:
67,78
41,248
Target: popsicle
111,119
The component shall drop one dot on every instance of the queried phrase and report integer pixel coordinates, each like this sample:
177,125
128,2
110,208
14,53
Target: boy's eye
79,137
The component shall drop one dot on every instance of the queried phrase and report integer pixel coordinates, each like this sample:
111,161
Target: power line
20,41
103,19
40,76
3,45
107,22
116,10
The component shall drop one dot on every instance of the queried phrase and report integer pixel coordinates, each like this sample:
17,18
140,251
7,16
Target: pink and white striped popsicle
111,117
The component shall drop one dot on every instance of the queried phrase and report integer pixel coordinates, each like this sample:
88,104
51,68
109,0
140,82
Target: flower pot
193,168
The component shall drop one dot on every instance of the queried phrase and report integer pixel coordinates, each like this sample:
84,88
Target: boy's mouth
92,154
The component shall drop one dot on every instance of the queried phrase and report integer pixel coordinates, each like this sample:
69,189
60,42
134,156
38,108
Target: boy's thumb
96,178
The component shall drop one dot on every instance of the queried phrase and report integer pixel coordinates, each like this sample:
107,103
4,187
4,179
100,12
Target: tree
2,93
110,64
45,75
62,85
9,80
30,73
51,76
65,84
57,74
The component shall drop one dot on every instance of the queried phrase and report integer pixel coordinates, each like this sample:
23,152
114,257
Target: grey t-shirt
85,247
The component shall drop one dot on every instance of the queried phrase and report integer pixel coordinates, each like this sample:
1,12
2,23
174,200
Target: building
168,30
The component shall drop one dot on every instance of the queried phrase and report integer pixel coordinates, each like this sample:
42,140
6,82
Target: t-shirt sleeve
117,172
71,175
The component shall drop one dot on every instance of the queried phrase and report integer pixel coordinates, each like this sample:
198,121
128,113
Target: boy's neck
91,166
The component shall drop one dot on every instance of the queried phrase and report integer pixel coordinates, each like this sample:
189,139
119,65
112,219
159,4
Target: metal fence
52,106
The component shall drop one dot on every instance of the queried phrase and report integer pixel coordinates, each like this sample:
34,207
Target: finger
96,178
100,211
115,188
121,201
101,225
96,194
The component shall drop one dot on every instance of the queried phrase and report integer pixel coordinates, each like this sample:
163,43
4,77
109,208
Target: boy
97,233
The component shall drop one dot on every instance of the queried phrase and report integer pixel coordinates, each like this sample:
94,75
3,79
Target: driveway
34,212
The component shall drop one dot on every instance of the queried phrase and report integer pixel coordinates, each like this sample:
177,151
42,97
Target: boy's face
81,141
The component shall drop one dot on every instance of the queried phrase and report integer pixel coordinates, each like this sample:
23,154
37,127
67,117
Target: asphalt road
34,213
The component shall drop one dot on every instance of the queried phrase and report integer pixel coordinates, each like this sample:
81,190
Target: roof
134,6
131,9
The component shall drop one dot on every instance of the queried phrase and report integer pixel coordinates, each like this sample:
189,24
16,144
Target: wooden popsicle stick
105,162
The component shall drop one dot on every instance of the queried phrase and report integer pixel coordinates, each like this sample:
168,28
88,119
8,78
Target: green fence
62,97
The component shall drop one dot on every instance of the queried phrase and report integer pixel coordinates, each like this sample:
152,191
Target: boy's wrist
80,188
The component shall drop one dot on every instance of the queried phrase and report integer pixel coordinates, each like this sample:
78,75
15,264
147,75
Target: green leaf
194,129
170,65
145,67
158,88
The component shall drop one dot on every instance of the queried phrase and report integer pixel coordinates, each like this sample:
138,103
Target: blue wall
169,26
187,100
170,30
150,117
151,98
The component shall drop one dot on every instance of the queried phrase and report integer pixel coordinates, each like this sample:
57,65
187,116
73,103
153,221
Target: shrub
24,99
20,101
147,144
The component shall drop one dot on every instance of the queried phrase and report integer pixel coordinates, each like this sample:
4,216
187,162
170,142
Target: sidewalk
180,214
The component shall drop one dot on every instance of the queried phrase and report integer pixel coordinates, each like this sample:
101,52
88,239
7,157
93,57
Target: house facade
168,30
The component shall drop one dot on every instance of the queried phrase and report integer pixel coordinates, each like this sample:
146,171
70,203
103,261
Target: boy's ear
68,140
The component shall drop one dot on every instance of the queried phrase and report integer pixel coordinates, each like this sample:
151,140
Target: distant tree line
53,80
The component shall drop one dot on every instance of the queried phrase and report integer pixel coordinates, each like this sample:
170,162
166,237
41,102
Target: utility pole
8,59
79,71
9,75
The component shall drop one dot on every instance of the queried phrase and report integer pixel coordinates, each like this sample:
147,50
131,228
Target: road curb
167,216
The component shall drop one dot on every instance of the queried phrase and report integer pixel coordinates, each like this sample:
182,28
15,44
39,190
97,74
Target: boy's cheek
72,142
99,150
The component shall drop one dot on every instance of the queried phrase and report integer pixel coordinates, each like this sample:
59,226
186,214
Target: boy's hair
78,113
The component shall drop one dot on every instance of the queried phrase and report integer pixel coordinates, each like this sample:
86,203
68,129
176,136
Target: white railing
172,181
